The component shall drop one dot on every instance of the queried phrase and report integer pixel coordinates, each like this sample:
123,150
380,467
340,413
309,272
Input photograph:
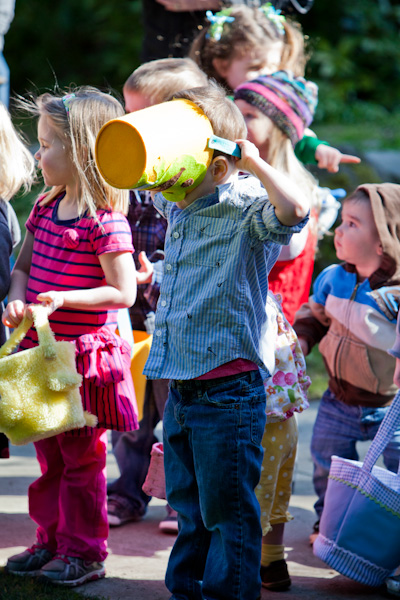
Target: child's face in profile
249,65
259,126
135,101
356,239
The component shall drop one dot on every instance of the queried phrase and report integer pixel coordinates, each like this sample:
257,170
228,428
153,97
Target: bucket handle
46,337
389,424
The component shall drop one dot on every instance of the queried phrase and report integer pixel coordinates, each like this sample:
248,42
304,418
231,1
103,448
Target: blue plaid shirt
218,252
148,234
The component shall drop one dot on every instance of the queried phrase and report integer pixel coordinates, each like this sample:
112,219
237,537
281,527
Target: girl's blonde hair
281,156
78,116
17,166
250,30
159,79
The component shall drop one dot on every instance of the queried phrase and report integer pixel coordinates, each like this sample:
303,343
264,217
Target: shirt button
168,267
163,303
176,235
158,332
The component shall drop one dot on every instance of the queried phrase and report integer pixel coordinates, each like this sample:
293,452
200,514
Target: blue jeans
132,451
212,451
337,429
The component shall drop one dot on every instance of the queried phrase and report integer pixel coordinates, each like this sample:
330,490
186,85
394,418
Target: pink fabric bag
154,484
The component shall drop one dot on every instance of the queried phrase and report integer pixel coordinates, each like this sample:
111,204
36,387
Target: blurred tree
355,50
355,58
93,42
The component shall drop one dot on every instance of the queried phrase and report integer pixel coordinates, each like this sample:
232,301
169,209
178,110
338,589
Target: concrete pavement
139,552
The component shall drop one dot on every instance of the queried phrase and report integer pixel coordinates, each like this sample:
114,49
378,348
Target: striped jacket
355,330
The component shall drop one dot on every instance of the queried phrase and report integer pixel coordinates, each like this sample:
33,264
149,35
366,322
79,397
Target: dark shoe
118,514
315,533
71,571
29,562
275,577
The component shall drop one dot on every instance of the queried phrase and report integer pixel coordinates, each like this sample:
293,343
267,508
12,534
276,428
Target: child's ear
219,168
221,66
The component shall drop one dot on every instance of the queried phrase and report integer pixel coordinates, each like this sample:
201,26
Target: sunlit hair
226,119
157,80
251,30
17,166
281,156
77,124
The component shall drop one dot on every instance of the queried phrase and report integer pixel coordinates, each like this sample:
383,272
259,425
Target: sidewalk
139,553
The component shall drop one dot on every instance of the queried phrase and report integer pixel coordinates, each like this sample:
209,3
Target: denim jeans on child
132,451
337,429
212,452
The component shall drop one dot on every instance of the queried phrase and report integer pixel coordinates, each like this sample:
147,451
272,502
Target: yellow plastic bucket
141,349
162,147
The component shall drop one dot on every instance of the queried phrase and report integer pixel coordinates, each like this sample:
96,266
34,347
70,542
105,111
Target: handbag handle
46,337
389,424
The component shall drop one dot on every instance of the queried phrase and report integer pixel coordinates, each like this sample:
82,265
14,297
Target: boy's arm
310,325
291,205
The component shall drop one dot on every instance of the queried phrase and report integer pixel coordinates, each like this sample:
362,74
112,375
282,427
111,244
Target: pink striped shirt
66,257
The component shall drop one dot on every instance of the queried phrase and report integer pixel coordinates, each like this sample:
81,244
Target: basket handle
389,424
45,335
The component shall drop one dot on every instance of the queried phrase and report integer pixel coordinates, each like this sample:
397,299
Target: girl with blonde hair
76,259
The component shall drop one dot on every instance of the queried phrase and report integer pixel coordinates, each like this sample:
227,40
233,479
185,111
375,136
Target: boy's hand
330,158
13,314
303,345
51,300
396,376
145,273
250,155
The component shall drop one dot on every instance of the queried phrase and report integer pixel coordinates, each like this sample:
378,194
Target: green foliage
91,42
355,51
317,373
355,58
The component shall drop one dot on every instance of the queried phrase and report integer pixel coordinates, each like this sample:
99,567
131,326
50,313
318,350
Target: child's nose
36,156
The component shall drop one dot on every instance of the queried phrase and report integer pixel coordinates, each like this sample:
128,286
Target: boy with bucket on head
224,233
150,84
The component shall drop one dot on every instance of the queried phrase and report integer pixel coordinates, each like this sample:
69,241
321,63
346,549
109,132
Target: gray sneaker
29,562
393,586
71,571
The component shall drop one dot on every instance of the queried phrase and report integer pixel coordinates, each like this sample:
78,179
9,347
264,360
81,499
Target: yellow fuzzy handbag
39,387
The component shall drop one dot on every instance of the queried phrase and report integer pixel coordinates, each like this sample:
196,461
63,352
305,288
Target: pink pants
69,500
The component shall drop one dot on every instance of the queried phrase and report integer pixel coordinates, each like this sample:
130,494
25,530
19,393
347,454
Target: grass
13,587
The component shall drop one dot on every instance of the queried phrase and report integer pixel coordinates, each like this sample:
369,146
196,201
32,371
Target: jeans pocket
258,420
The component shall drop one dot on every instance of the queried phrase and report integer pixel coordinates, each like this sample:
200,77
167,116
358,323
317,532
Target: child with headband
240,43
76,259
276,109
